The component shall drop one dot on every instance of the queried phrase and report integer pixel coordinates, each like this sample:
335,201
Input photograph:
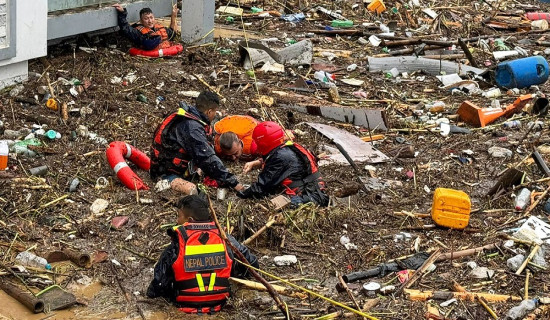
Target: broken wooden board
411,64
225,32
368,118
358,150
232,11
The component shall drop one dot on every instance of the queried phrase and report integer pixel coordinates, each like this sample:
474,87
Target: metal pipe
31,302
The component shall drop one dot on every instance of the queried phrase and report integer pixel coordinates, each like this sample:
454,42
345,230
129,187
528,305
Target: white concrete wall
31,40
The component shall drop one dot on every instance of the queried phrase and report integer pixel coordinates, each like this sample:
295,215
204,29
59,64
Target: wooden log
31,302
467,52
464,253
417,295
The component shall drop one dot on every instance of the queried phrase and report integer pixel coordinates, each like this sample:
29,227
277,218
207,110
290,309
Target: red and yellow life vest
242,126
157,30
170,158
202,268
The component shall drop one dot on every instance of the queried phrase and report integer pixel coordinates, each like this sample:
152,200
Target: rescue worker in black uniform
287,166
180,145
193,271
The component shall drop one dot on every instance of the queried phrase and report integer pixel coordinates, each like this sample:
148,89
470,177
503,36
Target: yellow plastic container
451,208
377,6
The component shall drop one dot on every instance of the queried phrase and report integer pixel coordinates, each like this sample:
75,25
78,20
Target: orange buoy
170,51
116,153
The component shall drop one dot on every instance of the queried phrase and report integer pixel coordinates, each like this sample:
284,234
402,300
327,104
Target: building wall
31,40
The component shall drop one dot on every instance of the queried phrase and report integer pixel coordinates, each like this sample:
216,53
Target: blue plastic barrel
522,73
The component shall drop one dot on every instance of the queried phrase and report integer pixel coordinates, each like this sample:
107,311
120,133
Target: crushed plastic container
522,73
451,208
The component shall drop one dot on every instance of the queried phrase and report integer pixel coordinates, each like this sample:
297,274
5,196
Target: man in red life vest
287,166
193,271
147,34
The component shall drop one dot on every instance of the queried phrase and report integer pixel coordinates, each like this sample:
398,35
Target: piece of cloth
138,39
163,278
243,127
190,135
282,165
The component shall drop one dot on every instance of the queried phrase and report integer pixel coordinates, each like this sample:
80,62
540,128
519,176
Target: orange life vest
202,268
170,159
242,126
158,30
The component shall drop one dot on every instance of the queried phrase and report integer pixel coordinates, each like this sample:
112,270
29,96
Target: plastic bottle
24,151
522,199
394,72
30,259
520,311
28,142
324,76
4,151
512,124
256,10
342,23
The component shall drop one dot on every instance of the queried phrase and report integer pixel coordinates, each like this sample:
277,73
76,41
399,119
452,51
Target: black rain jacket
190,135
282,163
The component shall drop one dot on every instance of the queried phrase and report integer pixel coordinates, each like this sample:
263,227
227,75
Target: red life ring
170,51
117,151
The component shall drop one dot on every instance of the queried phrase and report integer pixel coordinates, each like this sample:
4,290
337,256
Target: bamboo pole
417,295
269,223
253,285
529,257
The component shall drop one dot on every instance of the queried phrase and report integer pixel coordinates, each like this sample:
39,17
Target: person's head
192,209
207,103
146,17
268,135
231,145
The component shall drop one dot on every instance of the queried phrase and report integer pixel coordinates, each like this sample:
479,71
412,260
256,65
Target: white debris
162,185
482,273
447,303
285,260
498,152
99,205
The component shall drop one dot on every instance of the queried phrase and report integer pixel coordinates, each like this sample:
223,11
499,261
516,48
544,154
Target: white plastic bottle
30,259
520,311
523,199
